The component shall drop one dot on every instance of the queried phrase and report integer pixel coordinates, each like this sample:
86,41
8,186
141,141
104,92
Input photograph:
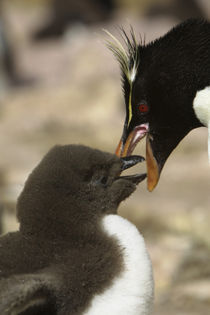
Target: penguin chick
73,255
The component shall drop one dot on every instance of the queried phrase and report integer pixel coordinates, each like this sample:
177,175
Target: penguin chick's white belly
131,293
201,106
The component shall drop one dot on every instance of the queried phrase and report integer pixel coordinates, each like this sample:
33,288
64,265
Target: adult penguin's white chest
131,293
201,106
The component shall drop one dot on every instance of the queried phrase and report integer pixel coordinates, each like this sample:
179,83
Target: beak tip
130,161
150,187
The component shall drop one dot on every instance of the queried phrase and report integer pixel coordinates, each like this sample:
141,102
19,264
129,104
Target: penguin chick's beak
128,162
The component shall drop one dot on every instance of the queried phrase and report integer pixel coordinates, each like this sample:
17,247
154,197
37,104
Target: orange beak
126,149
153,173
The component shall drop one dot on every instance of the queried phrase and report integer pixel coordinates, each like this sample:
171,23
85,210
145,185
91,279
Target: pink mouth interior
139,133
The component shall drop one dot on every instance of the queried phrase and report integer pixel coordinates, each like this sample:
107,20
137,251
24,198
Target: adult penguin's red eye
143,108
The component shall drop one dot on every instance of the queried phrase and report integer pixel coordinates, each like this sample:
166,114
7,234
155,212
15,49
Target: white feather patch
132,292
201,106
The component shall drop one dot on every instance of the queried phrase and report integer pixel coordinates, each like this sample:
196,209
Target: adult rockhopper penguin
73,254
167,91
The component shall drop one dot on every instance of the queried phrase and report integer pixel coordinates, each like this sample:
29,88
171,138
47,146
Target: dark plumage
61,256
160,89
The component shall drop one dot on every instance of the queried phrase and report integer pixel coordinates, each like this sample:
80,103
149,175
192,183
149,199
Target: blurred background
59,84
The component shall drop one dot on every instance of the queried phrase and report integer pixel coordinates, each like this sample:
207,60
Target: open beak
125,148
128,162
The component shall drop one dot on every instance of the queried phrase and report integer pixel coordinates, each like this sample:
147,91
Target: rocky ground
76,98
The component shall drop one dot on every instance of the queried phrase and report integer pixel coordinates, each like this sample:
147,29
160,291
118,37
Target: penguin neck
58,227
51,231
65,219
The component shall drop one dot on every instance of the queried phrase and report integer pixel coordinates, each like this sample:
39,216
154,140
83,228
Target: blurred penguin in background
10,75
64,13
178,9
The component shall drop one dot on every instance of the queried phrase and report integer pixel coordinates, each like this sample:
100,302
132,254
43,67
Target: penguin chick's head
72,187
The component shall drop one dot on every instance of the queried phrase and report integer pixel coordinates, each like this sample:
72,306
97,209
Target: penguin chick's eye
101,180
143,108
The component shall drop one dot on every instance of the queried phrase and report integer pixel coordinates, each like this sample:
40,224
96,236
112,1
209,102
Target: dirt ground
76,98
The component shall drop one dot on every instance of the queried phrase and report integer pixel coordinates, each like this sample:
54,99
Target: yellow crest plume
128,57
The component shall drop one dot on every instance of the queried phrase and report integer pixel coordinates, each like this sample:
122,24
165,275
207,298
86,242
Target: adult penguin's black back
73,254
